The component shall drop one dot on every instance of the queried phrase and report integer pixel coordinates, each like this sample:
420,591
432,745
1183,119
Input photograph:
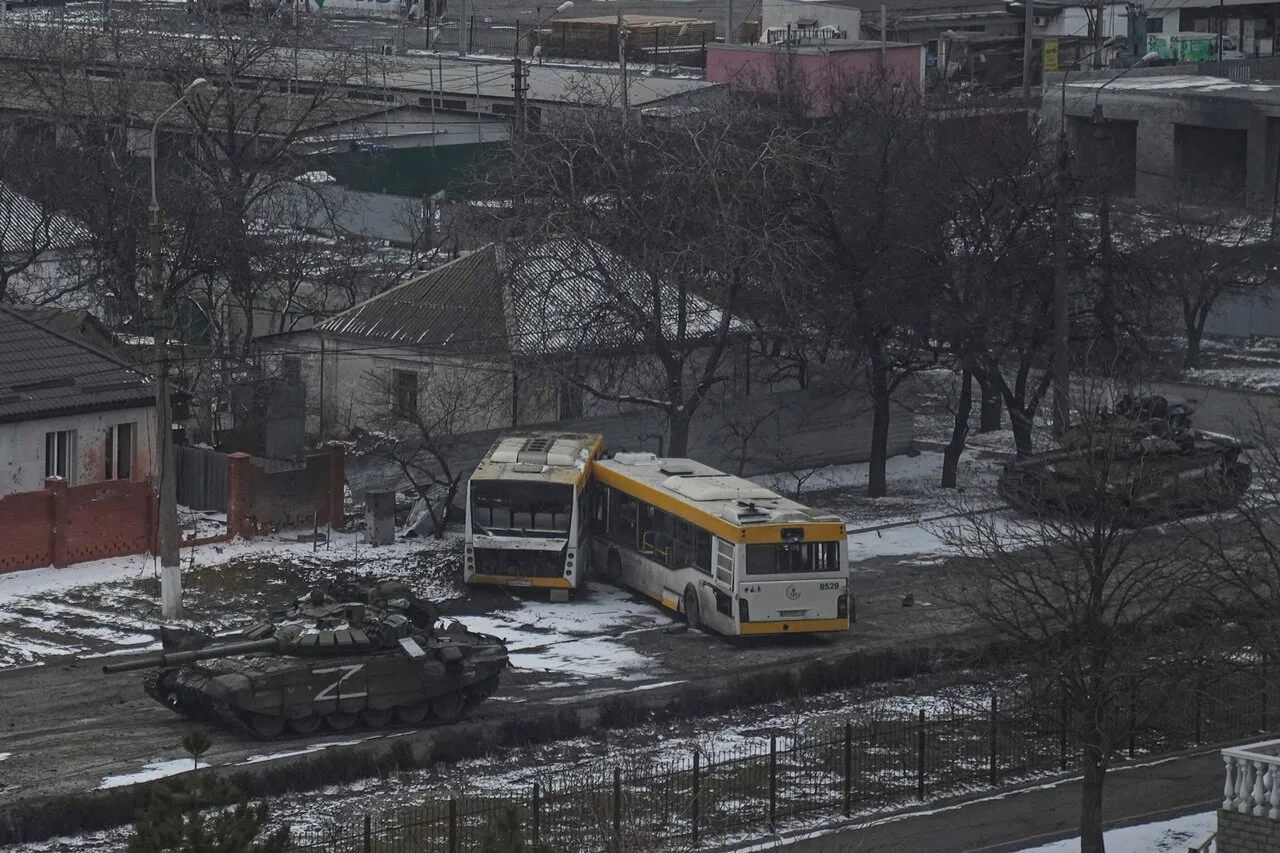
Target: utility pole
464,31
728,22
1026,54
1061,367
622,68
519,86
170,570
884,36
1107,299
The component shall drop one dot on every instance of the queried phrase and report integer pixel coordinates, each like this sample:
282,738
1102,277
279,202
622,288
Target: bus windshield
521,509
793,558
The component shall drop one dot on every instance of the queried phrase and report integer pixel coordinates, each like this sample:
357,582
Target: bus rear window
529,508
793,558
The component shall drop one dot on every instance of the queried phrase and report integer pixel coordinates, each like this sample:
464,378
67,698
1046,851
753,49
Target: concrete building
68,410
1169,134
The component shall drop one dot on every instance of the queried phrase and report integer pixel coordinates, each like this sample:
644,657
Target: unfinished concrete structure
1164,134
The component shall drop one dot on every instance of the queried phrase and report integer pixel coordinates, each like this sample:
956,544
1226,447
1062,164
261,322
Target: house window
120,449
60,454
405,384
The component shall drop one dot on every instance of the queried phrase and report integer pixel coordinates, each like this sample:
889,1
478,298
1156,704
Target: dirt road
67,727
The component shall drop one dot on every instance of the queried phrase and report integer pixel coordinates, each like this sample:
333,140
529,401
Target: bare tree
670,220
1090,609
1197,257
422,415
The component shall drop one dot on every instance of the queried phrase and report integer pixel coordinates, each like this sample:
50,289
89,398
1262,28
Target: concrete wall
764,433
1246,833
1255,314
22,451
765,69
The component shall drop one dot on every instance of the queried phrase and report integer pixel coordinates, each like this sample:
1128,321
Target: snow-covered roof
25,226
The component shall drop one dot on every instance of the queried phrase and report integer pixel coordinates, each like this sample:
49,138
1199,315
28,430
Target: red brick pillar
57,489
337,482
238,475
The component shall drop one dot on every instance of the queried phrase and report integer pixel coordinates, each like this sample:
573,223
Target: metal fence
503,37
202,477
852,767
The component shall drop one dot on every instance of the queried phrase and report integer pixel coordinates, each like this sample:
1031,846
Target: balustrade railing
1253,779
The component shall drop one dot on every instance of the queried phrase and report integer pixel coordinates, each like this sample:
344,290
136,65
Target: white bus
525,523
733,556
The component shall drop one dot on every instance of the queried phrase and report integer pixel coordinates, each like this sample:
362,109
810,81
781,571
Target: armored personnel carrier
351,652
1142,463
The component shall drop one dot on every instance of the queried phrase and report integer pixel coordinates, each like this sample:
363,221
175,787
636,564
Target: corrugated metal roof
556,296
25,226
43,374
456,307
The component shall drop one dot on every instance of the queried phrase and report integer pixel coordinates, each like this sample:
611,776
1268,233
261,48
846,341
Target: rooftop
1170,86
544,457
44,373
26,227
552,297
813,49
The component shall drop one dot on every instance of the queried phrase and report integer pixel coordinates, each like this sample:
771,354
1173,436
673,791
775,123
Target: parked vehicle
1192,47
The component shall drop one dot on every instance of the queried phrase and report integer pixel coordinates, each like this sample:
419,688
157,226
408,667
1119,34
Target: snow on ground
158,769
578,639
1163,837
1265,379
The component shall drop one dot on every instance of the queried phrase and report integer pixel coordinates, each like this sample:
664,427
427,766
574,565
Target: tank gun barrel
178,658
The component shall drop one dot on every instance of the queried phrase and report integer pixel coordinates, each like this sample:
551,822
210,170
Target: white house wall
22,451
780,14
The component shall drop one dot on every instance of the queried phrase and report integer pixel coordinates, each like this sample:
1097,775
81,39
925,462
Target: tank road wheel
448,707
692,610
305,725
413,715
375,719
266,726
481,690
340,721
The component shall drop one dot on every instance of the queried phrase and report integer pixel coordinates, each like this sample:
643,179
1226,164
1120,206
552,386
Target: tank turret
349,652
1142,464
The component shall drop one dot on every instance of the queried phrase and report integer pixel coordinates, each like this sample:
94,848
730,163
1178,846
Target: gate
202,478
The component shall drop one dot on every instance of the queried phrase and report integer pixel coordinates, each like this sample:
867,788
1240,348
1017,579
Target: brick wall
1247,833
61,525
259,501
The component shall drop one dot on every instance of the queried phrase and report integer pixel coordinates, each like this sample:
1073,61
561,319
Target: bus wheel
613,569
692,610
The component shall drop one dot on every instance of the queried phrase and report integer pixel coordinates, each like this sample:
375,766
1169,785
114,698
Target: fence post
517,49
1199,724
453,825
368,834
995,709
1133,715
848,767
696,791
1062,736
773,781
537,813
617,808
920,758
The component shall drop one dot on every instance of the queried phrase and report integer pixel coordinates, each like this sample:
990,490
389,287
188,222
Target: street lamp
170,572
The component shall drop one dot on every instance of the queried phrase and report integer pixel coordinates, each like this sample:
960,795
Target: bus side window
682,548
655,533
702,549
622,524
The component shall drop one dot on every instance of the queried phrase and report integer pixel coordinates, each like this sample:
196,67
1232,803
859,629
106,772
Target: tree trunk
1091,802
1191,358
678,432
1021,425
959,431
877,481
991,412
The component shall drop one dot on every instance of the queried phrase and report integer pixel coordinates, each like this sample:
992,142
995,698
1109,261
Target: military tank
1141,464
351,652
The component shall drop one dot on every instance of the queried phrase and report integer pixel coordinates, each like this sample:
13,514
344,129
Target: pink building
815,70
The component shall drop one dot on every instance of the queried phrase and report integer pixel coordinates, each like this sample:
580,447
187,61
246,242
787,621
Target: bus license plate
521,583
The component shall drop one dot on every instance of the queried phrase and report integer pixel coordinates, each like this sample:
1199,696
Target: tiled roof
25,226
552,297
45,374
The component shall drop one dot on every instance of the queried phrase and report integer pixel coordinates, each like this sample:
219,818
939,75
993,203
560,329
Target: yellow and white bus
526,522
733,556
